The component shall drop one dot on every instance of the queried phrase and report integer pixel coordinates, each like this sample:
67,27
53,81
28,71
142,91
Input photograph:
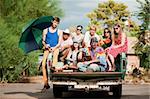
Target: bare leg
109,64
55,57
112,61
65,53
45,76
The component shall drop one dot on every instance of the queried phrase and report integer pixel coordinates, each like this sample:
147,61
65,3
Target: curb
34,79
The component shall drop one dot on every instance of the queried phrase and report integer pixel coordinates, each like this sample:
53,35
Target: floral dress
117,41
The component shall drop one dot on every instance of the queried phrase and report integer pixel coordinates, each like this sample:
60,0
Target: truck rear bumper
102,85
96,84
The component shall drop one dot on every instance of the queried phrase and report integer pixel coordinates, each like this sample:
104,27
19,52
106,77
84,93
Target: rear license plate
85,86
105,88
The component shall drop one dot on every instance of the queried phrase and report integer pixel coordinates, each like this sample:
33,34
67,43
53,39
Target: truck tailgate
87,75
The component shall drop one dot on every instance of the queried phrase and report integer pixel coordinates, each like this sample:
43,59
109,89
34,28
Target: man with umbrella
51,42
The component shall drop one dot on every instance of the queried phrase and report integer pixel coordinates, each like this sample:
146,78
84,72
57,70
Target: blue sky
75,11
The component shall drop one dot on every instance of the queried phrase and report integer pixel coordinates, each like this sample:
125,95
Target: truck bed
86,75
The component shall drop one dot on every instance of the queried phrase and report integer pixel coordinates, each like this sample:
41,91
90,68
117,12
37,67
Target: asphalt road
32,91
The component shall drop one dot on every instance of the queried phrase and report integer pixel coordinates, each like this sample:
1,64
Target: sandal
45,88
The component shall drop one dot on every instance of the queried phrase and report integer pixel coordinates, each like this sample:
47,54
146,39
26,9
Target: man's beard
54,27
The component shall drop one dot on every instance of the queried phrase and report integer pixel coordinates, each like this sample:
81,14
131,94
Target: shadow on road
39,95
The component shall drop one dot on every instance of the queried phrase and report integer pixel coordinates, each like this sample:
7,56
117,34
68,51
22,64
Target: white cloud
87,4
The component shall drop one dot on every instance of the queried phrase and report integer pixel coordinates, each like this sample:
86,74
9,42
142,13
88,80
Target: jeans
94,67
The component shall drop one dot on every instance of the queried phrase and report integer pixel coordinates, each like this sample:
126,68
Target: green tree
110,12
142,47
144,13
14,14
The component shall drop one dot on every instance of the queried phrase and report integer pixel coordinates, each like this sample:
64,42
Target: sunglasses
106,32
79,29
116,28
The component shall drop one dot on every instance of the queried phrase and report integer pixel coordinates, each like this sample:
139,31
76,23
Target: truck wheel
117,90
57,92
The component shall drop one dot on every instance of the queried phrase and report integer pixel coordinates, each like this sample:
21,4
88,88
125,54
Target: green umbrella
31,38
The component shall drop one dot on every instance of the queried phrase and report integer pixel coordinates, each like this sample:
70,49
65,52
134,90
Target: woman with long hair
119,44
106,41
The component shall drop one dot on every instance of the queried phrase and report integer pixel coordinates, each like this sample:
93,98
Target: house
132,58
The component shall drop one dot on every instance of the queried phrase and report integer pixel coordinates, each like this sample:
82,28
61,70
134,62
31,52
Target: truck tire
57,92
117,90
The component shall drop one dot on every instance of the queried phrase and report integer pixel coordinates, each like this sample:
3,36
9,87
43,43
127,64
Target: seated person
78,36
90,34
106,41
98,58
65,45
119,45
72,57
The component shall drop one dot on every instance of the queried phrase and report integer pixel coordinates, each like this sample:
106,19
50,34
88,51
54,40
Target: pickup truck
69,80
